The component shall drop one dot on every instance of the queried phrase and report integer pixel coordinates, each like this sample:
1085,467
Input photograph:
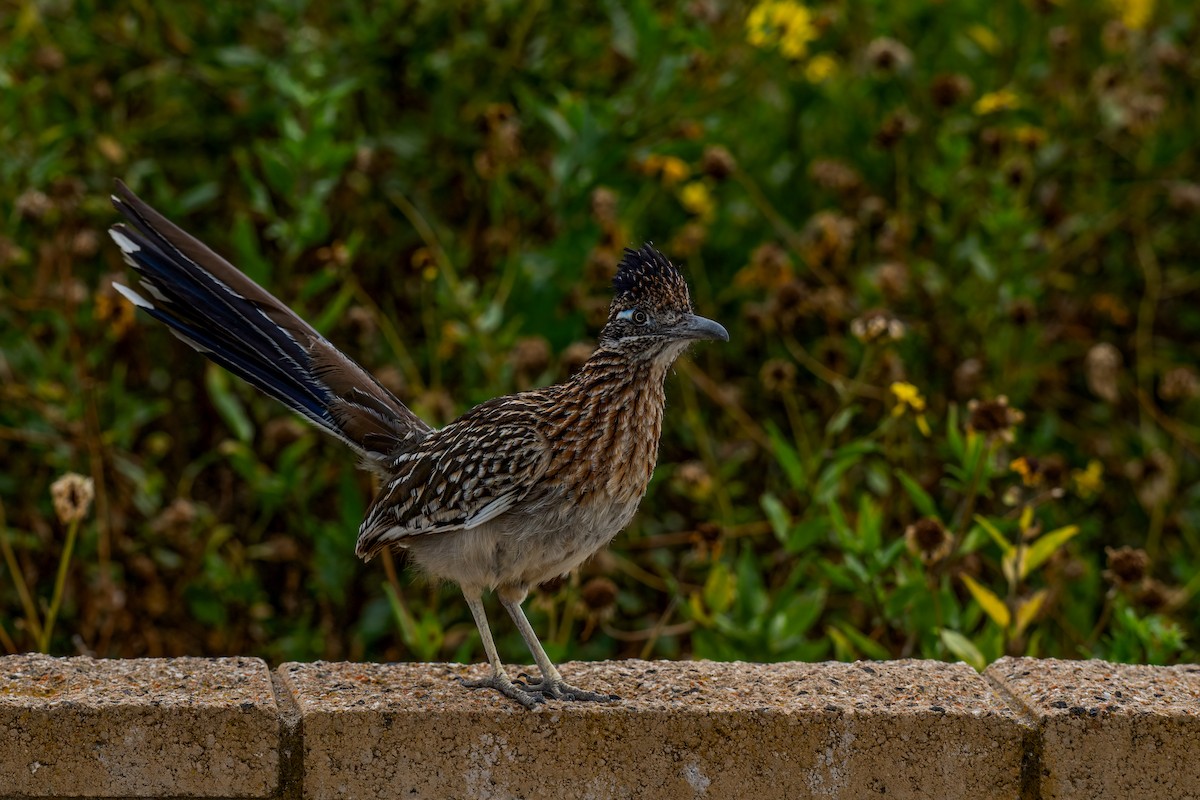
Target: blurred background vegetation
955,245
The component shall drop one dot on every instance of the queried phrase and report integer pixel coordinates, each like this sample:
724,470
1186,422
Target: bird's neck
610,416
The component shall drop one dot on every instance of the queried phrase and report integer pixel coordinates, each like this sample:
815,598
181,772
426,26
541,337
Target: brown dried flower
1126,566
72,495
948,90
827,239
1180,383
1103,369
877,326
599,594
888,55
928,540
835,175
778,376
717,162
994,418
574,356
530,356
896,126
604,206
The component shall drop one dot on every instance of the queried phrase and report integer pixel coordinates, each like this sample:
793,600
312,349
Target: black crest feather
647,277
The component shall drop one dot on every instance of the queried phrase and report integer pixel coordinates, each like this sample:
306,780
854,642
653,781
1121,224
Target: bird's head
651,314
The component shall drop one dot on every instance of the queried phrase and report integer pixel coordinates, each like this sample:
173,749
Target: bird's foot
558,689
504,685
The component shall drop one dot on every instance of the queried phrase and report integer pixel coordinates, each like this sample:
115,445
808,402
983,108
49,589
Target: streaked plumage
517,491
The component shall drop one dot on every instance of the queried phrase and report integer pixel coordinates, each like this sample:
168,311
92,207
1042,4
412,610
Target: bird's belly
522,549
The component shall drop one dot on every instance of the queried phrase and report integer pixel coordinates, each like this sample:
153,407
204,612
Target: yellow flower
985,38
820,68
697,199
1029,135
782,24
908,398
1089,481
672,169
1001,100
1028,469
1135,14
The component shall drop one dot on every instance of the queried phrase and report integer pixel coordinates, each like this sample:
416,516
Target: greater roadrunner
515,492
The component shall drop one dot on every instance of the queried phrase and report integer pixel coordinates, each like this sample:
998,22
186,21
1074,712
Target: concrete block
901,729
180,727
1110,730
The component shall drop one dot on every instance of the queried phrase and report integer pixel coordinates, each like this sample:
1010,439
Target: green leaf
788,458
840,420
992,605
953,435
920,498
1006,547
963,648
862,643
778,516
1028,609
1045,546
216,380
720,588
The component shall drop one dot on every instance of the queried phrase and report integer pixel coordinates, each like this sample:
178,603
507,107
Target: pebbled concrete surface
181,727
1110,730
901,729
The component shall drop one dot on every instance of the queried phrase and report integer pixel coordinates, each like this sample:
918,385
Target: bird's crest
648,279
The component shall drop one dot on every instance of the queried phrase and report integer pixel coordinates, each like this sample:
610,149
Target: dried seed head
604,206
599,594
835,175
1154,595
877,326
575,356
1153,477
72,495
1184,197
892,278
888,55
827,239
1180,383
1126,566
778,376
175,521
717,162
949,90
967,377
530,356
693,479
994,418
928,540
896,126
1103,369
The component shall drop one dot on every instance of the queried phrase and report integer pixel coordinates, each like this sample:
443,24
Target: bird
518,491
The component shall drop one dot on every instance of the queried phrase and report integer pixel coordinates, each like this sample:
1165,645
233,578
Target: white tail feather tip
124,242
132,296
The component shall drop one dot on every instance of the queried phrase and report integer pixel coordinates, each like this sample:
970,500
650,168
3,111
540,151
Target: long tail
229,318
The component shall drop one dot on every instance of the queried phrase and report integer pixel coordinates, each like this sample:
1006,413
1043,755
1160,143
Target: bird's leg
551,683
499,679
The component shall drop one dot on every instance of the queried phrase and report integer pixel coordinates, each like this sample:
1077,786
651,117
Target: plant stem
10,558
60,583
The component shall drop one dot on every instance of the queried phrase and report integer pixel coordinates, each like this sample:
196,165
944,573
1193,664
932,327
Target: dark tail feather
229,318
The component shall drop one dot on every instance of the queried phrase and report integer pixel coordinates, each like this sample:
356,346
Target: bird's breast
605,449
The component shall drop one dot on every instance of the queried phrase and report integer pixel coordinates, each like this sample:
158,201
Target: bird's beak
697,327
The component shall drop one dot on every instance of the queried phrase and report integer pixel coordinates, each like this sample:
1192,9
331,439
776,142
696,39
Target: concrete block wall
232,728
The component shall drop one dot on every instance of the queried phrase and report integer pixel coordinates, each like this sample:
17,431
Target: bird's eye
640,317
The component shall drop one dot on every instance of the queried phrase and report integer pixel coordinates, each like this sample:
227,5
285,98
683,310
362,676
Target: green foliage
914,218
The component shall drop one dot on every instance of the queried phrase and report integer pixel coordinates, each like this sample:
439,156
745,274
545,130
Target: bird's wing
459,477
